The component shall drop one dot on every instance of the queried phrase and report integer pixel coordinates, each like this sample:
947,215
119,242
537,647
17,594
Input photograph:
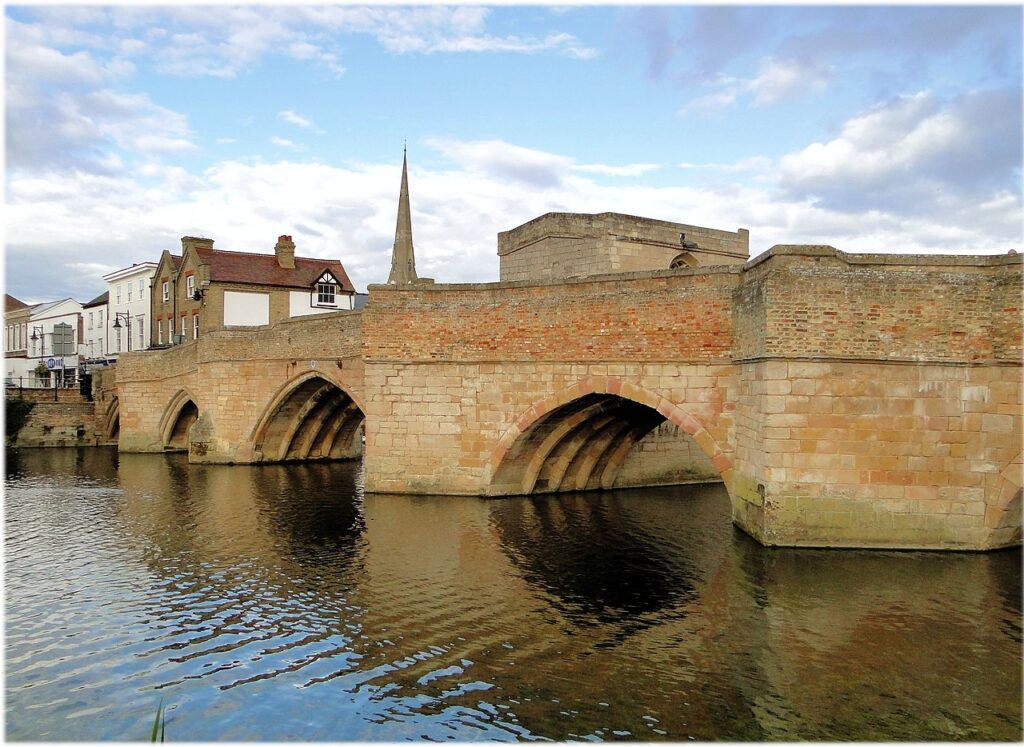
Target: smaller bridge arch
179,415
310,417
110,424
579,438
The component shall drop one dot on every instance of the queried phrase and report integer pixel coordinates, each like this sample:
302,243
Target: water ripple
280,604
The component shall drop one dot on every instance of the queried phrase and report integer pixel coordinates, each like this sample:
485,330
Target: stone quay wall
58,424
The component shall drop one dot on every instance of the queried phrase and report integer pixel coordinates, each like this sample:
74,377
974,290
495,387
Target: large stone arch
181,413
310,417
1004,514
110,424
577,438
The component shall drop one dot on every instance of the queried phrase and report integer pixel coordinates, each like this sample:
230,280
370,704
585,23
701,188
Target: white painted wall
42,322
246,309
130,290
95,334
301,303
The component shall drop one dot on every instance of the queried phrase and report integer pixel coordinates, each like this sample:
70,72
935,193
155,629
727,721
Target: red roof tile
263,269
13,304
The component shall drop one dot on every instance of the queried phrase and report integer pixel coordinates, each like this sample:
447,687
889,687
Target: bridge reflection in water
278,602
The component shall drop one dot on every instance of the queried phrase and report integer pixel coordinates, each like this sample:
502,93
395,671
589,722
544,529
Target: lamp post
41,337
127,324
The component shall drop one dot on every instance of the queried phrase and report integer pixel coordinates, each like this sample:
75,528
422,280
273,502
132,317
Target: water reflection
600,562
279,603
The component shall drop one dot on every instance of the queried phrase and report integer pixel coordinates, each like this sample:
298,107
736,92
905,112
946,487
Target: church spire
403,263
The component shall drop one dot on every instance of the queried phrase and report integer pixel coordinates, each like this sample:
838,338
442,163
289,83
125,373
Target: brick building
206,289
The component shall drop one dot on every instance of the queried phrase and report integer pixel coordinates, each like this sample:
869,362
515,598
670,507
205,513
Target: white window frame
190,286
160,332
195,326
325,291
119,294
167,291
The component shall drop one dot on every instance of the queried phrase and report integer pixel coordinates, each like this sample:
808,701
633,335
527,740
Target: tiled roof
101,299
263,269
13,304
175,261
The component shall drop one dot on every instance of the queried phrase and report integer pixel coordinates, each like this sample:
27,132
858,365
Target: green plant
159,724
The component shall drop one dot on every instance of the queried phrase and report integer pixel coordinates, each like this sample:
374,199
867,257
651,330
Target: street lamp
41,337
127,324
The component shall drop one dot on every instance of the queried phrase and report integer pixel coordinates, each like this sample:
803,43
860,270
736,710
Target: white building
54,335
95,330
128,307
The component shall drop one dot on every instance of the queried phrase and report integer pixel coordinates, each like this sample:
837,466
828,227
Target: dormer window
327,290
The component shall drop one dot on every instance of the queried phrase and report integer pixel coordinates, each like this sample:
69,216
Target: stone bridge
843,400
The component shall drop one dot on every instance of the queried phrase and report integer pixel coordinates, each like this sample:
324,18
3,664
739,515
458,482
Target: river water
280,603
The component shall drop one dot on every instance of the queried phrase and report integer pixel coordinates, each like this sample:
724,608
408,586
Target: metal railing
36,383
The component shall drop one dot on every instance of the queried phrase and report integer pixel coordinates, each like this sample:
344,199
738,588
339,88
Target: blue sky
869,128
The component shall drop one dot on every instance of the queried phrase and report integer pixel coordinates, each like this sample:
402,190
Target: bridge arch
579,438
309,417
110,424
179,415
1003,514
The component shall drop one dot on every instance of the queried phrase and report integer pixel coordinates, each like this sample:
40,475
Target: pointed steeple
403,262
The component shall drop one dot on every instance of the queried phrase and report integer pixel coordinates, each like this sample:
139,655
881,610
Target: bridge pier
881,455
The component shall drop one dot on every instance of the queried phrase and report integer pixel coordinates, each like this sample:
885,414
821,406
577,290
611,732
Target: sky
868,128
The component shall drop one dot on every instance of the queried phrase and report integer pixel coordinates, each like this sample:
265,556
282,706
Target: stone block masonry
560,245
843,400
59,424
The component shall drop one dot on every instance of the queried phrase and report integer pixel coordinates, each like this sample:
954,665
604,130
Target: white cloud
754,163
282,142
293,118
630,169
778,80
774,82
505,161
915,153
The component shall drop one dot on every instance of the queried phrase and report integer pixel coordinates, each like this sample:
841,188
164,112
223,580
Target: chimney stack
285,251
197,242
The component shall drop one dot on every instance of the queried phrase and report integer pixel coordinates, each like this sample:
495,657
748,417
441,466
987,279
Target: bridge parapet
678,315
814,302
